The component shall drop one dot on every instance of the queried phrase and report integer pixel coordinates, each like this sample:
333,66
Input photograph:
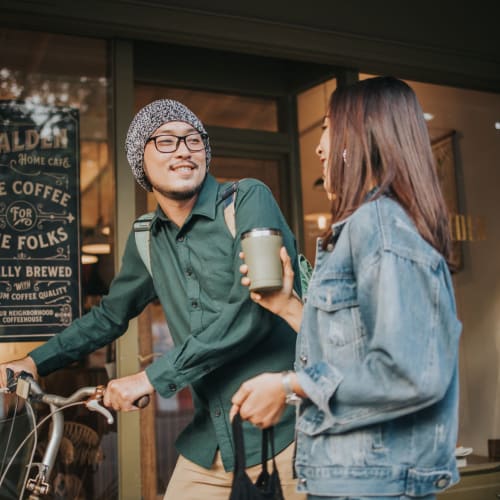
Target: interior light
428,117
319,219
322,222
89,259
97,248
497,125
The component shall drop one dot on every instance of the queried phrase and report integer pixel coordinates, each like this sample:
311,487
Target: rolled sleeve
319,381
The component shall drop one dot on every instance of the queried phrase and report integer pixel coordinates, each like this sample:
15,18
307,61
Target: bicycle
25,387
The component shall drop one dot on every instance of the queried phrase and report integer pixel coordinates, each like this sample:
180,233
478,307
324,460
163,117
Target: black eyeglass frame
179,138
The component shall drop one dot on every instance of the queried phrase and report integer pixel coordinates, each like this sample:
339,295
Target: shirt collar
205,204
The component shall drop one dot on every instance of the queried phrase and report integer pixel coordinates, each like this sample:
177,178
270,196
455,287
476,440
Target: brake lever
93,404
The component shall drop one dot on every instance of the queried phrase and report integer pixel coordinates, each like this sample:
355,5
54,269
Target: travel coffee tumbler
261,247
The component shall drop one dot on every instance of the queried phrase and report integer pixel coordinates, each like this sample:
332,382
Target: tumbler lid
261,231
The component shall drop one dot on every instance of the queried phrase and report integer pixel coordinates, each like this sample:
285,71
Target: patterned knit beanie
145,122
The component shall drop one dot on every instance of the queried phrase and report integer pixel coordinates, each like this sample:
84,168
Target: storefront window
218,109
49,72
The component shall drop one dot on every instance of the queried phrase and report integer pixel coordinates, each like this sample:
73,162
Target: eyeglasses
170,143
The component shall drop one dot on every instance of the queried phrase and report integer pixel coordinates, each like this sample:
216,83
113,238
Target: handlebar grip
142,402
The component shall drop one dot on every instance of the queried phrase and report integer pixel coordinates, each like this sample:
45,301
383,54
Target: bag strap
267,438
142,232
239,446
228,198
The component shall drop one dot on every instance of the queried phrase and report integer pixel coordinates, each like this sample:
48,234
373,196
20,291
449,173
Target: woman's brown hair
378,135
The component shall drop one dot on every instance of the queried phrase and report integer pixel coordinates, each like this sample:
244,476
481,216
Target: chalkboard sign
39,220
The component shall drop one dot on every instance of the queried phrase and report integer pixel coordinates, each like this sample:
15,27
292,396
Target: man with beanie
221,337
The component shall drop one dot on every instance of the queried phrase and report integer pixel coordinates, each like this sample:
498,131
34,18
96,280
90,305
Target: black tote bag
268,485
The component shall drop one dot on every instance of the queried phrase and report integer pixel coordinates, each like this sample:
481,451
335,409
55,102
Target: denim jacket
377,355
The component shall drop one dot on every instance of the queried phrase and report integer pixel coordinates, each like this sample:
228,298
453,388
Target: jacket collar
338,226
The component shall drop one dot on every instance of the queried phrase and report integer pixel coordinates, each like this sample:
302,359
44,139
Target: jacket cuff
319,381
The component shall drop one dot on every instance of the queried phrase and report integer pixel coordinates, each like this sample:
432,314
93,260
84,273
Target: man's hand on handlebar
17,366
128,393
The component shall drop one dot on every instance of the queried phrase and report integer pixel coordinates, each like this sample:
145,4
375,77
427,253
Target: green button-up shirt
221,337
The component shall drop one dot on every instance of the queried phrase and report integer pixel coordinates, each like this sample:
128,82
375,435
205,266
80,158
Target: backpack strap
142,232
228,198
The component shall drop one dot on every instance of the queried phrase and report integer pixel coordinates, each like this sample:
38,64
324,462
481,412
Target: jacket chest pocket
335,300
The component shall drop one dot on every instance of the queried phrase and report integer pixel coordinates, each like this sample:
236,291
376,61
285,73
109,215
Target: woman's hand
260,400
284,302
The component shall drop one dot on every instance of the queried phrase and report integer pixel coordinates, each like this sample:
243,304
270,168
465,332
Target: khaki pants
192,482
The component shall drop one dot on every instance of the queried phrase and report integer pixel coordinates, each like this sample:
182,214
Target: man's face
177,175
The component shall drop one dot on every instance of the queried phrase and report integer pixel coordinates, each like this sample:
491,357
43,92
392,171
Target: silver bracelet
291,398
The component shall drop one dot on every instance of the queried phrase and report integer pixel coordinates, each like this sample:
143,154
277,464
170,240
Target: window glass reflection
217,109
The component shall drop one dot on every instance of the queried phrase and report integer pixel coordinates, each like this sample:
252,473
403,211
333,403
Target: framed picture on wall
443,148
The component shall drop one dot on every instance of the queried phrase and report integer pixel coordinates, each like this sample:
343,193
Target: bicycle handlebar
26,387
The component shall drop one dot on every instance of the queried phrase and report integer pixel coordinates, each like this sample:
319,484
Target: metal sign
39,220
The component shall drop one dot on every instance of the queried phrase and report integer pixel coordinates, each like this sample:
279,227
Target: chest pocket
334,298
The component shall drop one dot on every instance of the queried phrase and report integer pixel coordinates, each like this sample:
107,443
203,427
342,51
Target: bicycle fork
39,485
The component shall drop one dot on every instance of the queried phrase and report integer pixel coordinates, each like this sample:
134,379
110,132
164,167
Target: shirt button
189,272
303,481
442,482
180,238
194,304
217,412
303,359
172,387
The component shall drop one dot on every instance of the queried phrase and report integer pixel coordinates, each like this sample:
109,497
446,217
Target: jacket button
172,387
194,304
217,412
303,481
180,238
442,482
303,359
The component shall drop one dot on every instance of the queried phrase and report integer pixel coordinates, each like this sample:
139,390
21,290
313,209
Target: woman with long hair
376,372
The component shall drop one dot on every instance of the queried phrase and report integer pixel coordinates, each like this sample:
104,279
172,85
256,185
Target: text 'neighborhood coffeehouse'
39,220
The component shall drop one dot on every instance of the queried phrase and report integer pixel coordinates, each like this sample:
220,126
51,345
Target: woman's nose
319,150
